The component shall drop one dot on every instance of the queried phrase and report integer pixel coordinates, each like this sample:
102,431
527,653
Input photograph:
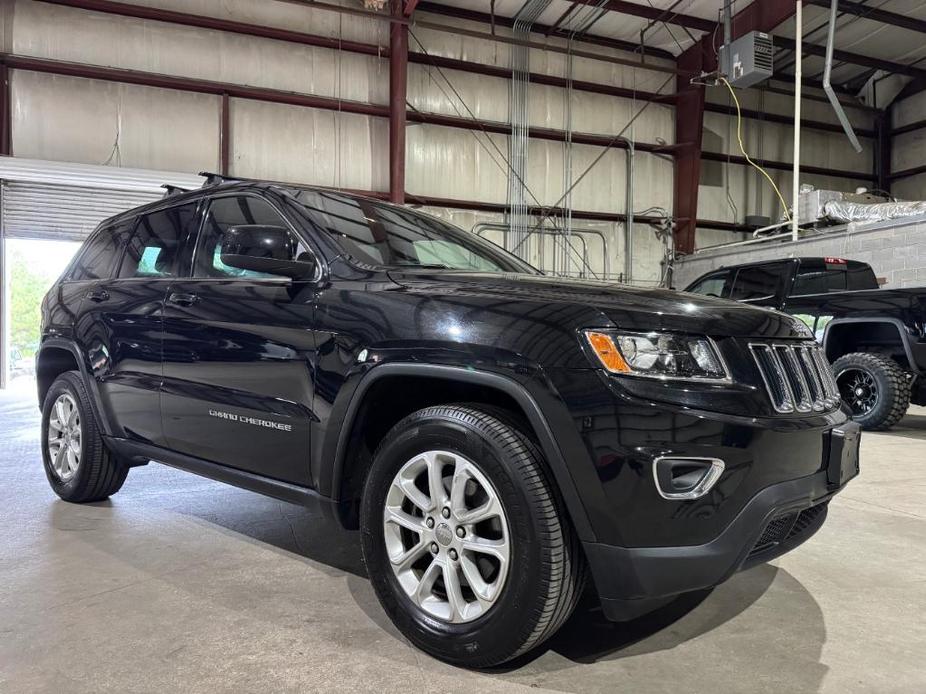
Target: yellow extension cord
739,137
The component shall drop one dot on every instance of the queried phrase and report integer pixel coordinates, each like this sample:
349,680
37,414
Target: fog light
684,479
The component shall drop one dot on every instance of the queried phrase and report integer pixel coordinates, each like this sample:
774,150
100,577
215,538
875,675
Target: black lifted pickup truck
497,435
874,338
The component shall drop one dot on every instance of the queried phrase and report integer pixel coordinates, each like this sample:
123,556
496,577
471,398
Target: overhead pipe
796,156
827,72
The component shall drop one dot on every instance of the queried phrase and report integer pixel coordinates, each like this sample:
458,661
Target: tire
875,388
546,571
97,473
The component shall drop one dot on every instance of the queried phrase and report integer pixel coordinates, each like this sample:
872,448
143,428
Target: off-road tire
547,571
100,474
893,397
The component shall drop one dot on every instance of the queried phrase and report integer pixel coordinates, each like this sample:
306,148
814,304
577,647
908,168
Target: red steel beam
225,135
486,18
788,166
188,84
877,15
537,78
217,24
398,90
213,23
538,133
655,14
6,112
226,90
689,129
410,6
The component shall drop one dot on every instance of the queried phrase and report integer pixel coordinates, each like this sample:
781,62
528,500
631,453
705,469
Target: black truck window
153,250
822,275
759,282
717,285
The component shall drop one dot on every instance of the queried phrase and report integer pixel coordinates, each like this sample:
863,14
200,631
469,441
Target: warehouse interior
592,139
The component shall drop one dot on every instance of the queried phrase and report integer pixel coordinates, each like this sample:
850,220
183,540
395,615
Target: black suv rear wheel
875,388
79,466
464,538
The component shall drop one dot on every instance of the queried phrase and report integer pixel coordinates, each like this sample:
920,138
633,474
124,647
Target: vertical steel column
225,135
6,112
689,129
398,86
883,163
4,300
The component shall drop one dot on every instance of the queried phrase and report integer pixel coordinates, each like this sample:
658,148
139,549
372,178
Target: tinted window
225,213
813,277
98,258
712,285
820,277
380,234
154,247
759,282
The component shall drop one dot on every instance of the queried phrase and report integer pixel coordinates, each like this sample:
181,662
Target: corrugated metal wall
729,192
95,122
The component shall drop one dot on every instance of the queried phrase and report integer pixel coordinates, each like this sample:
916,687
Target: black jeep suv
497,435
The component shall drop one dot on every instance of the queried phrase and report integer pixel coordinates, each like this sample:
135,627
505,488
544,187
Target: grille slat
797,377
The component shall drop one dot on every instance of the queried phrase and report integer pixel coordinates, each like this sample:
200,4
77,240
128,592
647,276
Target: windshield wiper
425,266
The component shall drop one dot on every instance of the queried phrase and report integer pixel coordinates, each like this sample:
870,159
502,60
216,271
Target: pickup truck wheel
464,538
79,466
874,387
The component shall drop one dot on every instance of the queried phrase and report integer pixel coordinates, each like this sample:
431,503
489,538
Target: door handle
98,295
180,299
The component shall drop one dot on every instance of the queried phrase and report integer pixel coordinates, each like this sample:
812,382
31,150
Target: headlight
658,355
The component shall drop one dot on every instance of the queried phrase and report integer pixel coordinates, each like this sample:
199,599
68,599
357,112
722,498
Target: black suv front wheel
875,388
79,466
464,538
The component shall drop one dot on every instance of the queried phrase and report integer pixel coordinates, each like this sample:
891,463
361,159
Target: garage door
60,201
47,211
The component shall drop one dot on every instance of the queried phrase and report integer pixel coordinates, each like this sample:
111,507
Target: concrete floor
182,584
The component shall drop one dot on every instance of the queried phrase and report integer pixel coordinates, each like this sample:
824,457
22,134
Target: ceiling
855,34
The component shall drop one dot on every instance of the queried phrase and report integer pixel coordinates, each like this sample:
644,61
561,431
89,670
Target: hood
624,306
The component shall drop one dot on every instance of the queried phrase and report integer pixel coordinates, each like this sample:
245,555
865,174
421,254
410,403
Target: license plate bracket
844,454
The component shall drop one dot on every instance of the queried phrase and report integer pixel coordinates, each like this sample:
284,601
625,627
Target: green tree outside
28,285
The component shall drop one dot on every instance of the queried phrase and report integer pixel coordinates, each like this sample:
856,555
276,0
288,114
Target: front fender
554,430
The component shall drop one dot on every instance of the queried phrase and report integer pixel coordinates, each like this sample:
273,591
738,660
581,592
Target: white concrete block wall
896,250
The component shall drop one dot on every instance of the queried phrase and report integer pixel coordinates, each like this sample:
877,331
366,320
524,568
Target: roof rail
214,179
170,189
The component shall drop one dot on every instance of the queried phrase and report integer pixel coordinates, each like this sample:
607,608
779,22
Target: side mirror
268,249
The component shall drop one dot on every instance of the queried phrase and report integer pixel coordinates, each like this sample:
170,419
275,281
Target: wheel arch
347,463
57,356
841,336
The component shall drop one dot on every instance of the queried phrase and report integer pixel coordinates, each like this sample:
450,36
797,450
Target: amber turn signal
607,352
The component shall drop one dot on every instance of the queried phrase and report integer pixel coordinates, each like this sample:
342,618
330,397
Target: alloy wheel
858,390
447,536
64,437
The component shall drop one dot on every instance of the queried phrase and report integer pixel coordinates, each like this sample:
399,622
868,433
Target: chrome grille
797,377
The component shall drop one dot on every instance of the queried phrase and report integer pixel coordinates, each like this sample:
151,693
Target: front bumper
634,580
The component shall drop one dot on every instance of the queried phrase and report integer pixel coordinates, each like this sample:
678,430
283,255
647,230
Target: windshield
379,234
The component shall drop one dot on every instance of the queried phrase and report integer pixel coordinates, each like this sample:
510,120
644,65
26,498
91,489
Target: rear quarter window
97,259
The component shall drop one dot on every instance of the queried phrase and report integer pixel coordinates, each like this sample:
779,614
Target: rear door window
760,282
153,251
